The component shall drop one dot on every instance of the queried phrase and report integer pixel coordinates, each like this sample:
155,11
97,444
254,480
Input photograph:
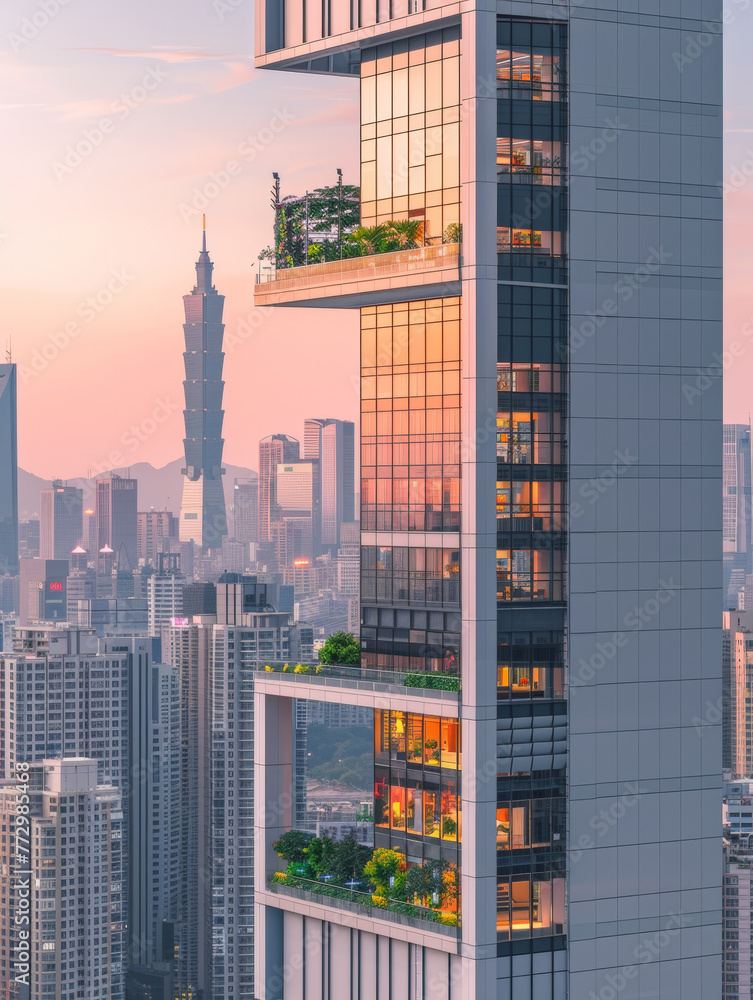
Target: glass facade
417,762
531,490
410,416
531,151
410,131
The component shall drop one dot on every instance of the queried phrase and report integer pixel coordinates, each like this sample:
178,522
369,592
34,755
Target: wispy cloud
165,53
240,73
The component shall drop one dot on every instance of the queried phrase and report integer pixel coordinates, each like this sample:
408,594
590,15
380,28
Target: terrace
431,271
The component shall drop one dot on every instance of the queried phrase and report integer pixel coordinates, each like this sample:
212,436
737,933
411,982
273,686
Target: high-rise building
154,527
203,518
8,471
117,509
532,349
165,593
349,559
43,587
61,520
296,530
64,699
246,509
215,933
152,801
737,502
65,883
28,539
273,450
331,443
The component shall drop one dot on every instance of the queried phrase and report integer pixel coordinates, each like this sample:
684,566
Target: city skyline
61,83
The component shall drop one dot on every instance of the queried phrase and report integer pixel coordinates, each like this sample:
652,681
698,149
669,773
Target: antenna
9,351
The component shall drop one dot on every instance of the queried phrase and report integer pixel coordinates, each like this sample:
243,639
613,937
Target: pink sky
167,95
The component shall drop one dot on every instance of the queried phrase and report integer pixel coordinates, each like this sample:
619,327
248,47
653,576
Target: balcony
362,904
400,276
434,693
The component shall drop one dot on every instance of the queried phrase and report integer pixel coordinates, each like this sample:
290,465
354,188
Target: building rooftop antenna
9,351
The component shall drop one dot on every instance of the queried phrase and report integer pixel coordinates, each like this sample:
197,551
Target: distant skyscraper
61,520
117,507
154,527
8,472
246,509
738,550
43,590
202,513
28,539
273,450
331,442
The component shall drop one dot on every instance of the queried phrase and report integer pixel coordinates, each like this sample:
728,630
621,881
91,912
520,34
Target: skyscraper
738,499
154,529
61,520
8,471
531,350
246,509
203,518
273,450
117,510
331,443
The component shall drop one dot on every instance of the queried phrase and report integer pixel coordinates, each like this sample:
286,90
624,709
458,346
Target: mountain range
158,488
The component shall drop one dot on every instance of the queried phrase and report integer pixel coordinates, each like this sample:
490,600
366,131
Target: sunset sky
163,96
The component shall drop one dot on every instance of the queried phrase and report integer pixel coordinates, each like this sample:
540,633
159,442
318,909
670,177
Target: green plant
449,827
385,865
341,648
435,682
315,253
292,846
302,668
405,234
286,668
370,239
269,669
453,233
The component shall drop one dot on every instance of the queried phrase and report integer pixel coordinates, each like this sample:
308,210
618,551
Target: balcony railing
380,265
407,914
384,681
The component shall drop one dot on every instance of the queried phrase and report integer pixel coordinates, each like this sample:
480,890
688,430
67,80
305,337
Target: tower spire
204,266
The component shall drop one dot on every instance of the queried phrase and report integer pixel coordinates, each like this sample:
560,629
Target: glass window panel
433,86
416,97
399,93
400,165
451,82
383,97
368,100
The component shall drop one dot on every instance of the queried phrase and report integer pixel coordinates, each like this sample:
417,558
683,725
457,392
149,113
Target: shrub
286,668
435,682
386,864
293,845
341,648
302,669
269,669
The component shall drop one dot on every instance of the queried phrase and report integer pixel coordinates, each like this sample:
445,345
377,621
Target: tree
370,239
293,845
432,878
406,234
319,855
386,864
341,648
348,859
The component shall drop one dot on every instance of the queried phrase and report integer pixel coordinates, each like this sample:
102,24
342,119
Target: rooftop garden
381,878
323,226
